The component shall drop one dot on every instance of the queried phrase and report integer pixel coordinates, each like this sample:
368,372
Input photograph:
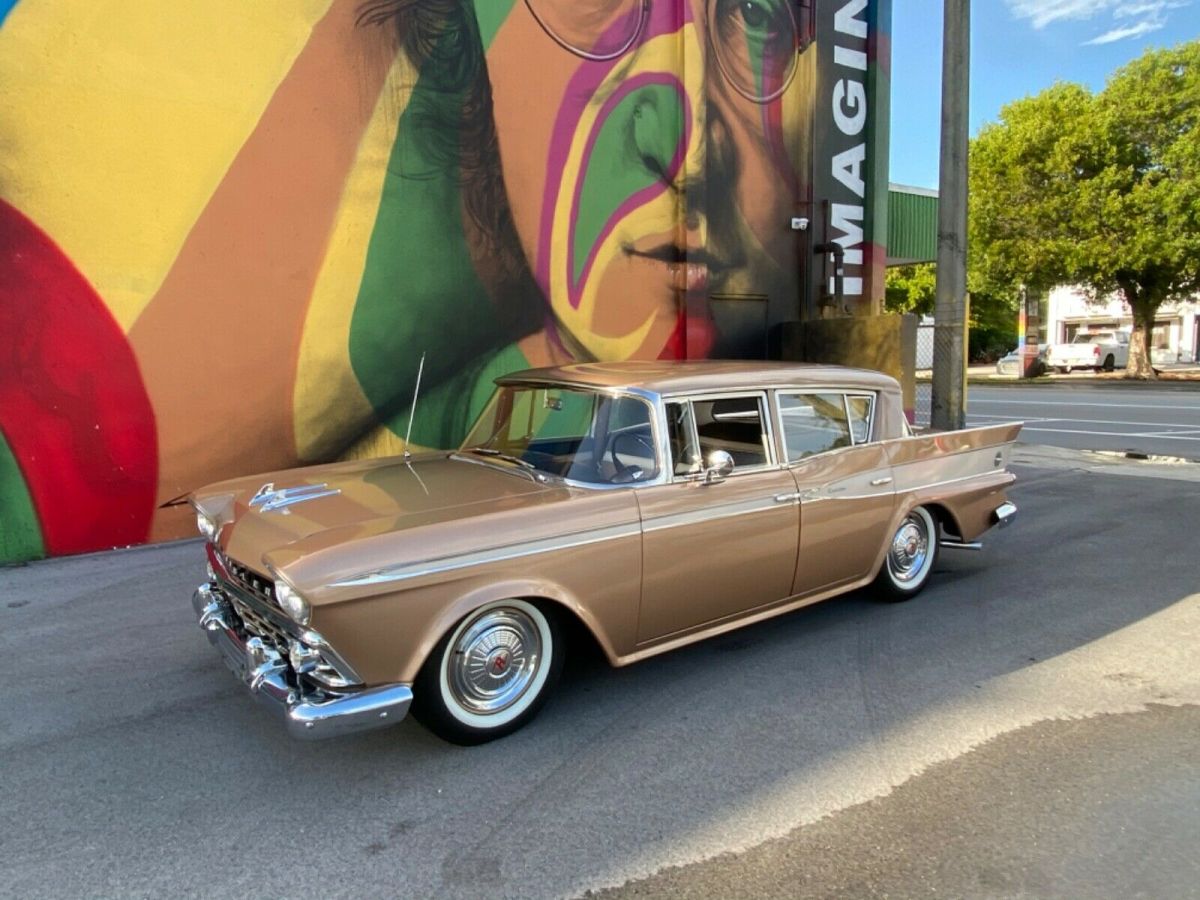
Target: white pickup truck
1098,350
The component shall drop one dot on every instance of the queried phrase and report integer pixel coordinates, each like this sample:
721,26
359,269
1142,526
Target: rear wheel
490,674
1109,363
910,556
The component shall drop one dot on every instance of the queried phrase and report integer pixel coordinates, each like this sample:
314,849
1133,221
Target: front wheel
910,556
490,674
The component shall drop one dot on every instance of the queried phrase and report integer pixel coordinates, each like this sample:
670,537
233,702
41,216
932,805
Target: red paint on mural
72,404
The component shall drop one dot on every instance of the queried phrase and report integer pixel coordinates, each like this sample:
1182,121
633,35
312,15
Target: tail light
1096,350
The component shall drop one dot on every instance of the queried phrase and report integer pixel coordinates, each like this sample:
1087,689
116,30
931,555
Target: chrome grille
258,624
243,580
250,580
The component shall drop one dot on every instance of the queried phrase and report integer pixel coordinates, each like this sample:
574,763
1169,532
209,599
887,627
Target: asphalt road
1026,727
1162,421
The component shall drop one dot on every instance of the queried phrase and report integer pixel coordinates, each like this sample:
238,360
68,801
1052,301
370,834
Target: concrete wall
230,229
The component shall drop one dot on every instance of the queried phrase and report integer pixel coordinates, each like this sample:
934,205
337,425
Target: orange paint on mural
219,342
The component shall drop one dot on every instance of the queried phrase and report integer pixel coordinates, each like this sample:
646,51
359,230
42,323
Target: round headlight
292,603
207,526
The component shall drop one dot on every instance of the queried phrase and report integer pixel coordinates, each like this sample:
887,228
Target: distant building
1176,335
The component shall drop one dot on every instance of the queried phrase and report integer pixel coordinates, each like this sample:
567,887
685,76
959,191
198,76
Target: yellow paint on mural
120,118
657,216
328,401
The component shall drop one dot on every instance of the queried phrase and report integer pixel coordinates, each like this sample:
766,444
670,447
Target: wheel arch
943,518
551,599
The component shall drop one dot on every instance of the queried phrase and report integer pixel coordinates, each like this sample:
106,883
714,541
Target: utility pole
949,335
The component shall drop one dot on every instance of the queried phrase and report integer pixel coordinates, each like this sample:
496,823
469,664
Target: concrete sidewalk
1177,374
1168,374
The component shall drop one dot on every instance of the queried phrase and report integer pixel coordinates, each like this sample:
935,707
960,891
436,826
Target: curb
1172,384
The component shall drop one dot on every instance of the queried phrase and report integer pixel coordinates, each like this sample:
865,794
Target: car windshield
581,435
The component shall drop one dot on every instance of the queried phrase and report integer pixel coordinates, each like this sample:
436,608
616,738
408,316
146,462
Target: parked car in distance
1010,363
650,504
1096,350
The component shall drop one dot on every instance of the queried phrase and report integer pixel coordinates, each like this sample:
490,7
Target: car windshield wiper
526,466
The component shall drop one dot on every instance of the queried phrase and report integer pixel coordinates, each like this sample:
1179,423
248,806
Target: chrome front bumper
309,714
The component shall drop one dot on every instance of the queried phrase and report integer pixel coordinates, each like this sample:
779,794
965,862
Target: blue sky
1018,47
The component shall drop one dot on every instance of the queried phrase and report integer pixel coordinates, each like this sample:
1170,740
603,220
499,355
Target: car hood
293,521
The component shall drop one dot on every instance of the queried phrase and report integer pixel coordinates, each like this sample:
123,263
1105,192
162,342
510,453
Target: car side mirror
718,465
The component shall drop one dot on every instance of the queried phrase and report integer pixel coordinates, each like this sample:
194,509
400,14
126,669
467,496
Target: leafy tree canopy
911,289
1101,190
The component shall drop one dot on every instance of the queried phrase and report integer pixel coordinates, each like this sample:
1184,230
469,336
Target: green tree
1101,190
910,289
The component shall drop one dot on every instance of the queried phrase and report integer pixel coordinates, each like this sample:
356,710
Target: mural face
495,185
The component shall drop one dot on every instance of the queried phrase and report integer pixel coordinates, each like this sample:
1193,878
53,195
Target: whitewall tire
490,674
911,553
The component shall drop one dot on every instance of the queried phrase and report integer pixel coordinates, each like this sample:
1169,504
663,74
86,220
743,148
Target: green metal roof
912,225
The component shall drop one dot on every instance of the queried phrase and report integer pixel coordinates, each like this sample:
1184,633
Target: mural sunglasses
756,42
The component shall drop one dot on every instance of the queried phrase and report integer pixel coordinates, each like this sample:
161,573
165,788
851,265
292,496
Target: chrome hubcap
910,549
494,661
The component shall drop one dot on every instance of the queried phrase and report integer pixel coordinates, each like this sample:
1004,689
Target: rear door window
814,423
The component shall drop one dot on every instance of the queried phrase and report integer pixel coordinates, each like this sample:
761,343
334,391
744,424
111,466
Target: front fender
479,595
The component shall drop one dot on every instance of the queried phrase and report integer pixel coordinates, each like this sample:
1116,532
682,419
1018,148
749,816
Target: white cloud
1130,18
1041,13
1125,31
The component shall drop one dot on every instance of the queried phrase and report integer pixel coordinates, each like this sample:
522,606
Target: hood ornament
270,499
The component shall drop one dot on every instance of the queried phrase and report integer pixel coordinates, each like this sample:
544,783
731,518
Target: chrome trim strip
492,555
711,513
805,387
936,484
948,544
908,489
814,496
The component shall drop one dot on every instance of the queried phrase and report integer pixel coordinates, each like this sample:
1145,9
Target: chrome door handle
786,498
879,482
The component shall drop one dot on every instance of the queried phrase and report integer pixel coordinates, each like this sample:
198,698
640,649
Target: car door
714,549
843,480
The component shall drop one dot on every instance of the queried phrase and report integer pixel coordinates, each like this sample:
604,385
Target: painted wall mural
228,231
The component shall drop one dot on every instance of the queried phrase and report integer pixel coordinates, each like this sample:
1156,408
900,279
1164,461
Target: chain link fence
924,366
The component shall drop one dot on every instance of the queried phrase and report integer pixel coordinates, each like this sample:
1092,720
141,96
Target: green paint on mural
491,15
446,412
654,115
20,533
419,291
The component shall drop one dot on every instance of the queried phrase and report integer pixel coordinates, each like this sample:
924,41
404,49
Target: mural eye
755,43
755,17
592,29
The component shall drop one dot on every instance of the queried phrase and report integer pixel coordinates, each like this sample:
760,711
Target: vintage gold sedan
654,504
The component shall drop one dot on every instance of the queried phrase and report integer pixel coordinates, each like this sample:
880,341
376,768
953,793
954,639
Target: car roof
695,376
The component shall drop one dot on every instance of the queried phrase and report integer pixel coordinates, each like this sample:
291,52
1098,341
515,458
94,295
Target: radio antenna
412,410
